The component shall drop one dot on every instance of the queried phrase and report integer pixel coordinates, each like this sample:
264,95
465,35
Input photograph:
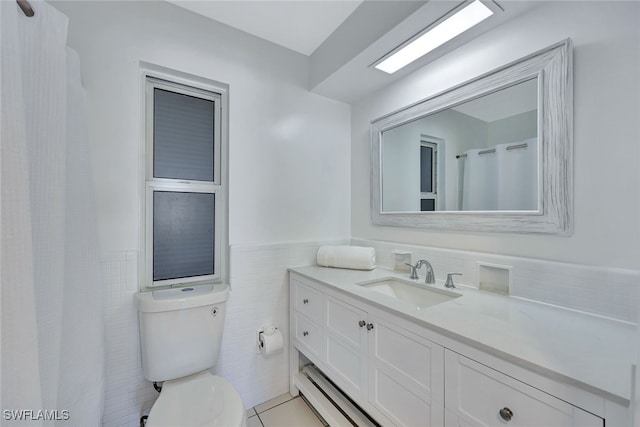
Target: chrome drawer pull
362,323
506,414
305,301
305,333
369,326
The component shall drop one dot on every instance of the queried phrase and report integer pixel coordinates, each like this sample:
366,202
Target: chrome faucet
430,276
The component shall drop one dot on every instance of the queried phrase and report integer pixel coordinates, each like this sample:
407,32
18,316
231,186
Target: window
428,173
185,203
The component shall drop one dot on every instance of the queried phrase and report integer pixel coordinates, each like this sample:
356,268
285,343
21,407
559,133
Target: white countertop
585,350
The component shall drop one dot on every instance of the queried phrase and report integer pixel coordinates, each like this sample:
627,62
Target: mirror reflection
481,155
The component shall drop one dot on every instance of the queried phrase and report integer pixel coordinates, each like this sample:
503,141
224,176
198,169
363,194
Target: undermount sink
414,293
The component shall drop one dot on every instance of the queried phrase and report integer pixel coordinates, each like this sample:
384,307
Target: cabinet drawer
481,396
309,335
308,302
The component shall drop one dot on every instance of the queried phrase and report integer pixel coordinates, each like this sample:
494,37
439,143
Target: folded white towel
353,257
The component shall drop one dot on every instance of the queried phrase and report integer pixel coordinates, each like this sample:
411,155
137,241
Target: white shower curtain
52,355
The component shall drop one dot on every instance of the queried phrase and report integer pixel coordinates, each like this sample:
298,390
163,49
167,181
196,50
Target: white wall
289,148
606,39
289,178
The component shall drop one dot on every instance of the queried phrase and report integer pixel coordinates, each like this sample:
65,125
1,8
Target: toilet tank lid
181,298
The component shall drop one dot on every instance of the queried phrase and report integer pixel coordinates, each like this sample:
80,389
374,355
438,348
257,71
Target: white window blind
183,136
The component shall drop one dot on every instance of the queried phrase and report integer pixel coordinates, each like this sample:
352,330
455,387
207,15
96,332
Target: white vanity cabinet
391,372
403,373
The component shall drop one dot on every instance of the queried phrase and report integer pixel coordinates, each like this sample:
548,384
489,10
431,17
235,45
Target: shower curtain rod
493,150
26,7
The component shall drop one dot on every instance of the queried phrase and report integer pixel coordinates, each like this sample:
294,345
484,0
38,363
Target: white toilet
180,336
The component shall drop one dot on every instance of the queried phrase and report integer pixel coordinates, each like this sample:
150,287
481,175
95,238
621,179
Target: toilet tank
180,329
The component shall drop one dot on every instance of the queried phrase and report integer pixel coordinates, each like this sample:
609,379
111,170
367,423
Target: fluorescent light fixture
446,30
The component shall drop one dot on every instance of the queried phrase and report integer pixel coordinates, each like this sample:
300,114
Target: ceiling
342,38
300,25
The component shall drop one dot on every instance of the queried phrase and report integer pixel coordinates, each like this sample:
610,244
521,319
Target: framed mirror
492,154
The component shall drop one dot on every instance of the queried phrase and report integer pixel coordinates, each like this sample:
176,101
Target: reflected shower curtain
52,355
480,178
517,176
504,180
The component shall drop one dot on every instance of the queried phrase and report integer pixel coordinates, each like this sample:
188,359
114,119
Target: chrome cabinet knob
305,333
506,414
369,326
305,301
362,323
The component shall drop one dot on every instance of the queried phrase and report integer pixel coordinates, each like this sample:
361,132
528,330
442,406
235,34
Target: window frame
435,144
152,77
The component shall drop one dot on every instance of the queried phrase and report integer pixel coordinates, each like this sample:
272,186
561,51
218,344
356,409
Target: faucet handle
414,272
449,283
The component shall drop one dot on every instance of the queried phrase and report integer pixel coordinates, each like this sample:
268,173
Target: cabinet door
346,346
406,380
478,396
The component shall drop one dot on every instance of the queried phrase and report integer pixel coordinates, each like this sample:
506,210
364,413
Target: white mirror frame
554,70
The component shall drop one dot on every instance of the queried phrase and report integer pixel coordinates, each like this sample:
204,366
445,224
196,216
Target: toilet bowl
180,338
199,400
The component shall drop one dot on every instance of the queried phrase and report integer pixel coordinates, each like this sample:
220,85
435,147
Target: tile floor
284,411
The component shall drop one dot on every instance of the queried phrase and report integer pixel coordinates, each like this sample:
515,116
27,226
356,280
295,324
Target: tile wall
259,297
127,393
613,293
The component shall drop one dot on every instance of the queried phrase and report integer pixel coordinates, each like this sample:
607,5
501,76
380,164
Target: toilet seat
199,400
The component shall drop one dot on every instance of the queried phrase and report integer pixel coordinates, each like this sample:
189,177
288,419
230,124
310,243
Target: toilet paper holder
266,330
